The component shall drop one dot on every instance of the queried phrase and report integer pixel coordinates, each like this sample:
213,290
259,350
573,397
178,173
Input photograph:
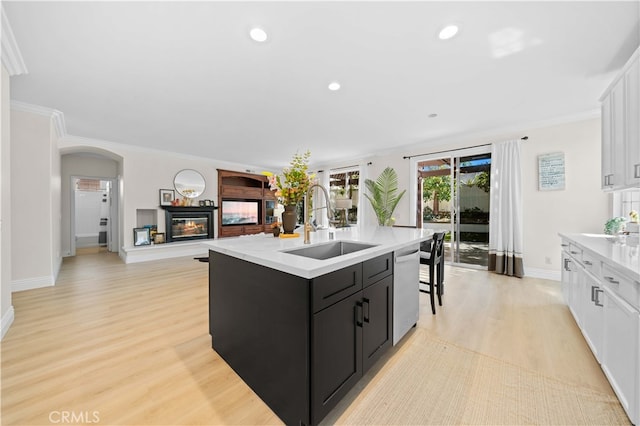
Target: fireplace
188,223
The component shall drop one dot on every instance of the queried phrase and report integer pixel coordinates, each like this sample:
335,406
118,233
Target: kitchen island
301,331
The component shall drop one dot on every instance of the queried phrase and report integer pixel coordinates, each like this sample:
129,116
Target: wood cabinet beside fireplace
249,189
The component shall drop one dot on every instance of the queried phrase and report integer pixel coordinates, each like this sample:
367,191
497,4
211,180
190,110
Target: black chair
432,254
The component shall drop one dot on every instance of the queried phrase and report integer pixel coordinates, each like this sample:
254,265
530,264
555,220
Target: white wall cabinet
621,129
605,303
632,135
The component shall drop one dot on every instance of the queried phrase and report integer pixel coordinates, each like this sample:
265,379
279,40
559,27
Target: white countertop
267,250
623,254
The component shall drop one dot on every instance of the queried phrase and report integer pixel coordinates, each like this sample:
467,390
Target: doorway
93,215
454,190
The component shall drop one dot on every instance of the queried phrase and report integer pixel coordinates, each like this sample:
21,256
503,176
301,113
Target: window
344,185
625,201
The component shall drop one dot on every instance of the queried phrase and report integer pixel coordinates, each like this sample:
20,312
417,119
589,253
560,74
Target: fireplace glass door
187,228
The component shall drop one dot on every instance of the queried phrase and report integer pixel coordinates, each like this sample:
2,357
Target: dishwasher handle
408,257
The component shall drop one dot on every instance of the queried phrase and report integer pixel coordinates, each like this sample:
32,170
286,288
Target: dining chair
432,254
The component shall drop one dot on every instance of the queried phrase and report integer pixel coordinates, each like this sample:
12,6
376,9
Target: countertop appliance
406,277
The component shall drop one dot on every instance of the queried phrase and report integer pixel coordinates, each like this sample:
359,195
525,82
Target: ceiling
186,77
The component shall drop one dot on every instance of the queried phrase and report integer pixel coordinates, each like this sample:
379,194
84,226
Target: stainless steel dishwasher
406,277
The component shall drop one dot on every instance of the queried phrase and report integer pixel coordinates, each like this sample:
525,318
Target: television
240,212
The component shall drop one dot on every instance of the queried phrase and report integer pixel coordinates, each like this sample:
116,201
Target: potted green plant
291,187
383,195
614,225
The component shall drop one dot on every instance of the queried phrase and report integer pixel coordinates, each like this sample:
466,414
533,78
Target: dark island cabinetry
300,344
350,334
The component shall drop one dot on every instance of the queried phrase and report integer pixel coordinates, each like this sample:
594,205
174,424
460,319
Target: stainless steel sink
329,250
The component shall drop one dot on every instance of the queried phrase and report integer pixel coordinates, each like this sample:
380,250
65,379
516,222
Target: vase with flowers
290,188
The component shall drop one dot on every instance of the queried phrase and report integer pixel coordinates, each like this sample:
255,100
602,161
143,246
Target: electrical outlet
547,260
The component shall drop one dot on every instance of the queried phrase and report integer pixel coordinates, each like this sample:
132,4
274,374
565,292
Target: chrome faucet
307,224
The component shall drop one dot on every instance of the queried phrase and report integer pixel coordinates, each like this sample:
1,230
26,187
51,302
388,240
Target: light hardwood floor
129,344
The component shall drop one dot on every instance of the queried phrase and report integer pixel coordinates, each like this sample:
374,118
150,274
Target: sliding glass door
454,197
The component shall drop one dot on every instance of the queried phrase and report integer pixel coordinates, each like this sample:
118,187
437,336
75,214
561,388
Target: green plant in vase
383,195
615,225
291,186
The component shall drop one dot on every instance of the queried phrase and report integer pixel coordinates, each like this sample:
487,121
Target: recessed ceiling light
448,32
258,34
334,85
434,115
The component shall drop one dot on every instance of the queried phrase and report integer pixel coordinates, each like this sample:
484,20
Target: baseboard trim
32,283
163,251
545,274
7,320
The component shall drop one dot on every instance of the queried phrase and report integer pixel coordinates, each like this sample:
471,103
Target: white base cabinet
605,302
593,314
622,351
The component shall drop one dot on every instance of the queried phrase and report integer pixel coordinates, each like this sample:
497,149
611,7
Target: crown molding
11,56
54,114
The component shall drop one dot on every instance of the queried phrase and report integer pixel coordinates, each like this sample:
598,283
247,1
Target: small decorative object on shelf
158,238
614,225
633,225
167,196
275,228
291,187
141,237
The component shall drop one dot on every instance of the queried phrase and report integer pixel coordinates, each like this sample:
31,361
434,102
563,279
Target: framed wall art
551,171
141,237
167,196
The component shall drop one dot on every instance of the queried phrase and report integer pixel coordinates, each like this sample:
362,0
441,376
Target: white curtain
505,219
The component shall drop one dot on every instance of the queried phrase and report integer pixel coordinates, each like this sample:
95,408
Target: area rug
433,382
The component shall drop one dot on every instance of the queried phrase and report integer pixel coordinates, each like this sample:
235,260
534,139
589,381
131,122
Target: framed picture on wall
551,171
167,196
141,237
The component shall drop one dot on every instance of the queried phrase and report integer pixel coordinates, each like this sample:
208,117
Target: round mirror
189,183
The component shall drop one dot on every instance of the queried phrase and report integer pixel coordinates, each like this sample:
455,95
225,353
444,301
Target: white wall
35,201
581,207
55,214
6,308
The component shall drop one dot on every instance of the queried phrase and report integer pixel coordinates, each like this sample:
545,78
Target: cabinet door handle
566,265
593,292
358,313
366,313
575,252
597,301
636,170
611,280
564,245
586,262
